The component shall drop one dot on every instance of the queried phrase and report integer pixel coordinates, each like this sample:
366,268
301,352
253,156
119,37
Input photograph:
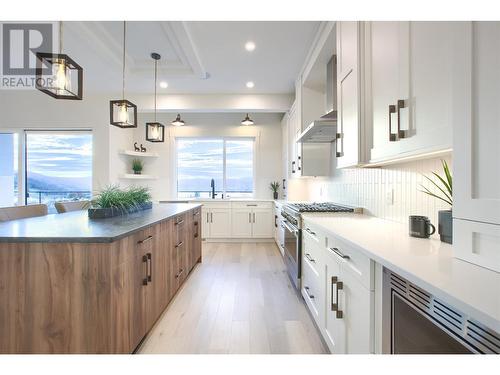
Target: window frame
22,150
224,168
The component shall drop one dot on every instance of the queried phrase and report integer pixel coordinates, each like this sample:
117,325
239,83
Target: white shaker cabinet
411,86
220,223
350,147
263,223
349,310
241,225
476,137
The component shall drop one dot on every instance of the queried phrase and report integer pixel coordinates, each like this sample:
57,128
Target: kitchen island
70,284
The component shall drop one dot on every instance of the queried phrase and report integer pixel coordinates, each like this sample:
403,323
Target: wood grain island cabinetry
93,297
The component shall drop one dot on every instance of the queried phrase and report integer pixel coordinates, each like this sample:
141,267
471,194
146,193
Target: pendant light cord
60,36
156,74
123,72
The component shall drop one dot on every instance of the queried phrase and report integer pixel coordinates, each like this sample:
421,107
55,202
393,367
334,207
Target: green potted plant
275,187
137,166
444,186
113,201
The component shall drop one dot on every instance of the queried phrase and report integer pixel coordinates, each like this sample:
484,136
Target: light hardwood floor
239,300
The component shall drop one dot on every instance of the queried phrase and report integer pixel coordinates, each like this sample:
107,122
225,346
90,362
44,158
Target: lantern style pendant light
247,121
178,121
123,113
155,132
58,75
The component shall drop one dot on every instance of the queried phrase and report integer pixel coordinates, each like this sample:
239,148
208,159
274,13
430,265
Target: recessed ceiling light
250,84
163,84
250,46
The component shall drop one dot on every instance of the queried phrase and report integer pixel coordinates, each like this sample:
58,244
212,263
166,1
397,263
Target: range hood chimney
324,130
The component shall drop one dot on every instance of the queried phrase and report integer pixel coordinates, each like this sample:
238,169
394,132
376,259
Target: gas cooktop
319,207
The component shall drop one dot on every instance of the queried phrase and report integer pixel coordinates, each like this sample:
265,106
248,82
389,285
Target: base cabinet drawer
312,292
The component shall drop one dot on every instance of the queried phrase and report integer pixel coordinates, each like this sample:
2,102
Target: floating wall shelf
130,176
139,154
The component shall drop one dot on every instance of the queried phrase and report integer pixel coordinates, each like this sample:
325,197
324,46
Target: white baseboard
238,240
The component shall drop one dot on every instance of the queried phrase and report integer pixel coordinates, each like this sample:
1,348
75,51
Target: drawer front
353,261
312,292
252,204
477,243
214,204
312,252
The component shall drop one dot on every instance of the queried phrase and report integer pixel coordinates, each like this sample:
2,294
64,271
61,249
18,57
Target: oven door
292,252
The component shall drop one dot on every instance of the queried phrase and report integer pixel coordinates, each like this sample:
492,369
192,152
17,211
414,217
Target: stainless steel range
292,225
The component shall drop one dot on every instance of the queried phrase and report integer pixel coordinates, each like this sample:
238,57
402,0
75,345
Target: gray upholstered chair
67,206
22,212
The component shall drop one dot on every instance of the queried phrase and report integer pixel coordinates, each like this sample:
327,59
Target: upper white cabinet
410,86
350,143
476,136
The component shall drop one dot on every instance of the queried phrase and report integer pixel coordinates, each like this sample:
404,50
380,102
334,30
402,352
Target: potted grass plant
137,166
274,186
114,201
443,192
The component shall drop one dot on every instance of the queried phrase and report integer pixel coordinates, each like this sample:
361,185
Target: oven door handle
294,231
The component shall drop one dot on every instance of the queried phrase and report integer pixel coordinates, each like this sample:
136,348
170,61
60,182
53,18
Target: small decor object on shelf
137,166
445,194
143,149
137,149
275,187
114,201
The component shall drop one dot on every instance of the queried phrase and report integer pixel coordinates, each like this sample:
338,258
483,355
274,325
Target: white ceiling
197,57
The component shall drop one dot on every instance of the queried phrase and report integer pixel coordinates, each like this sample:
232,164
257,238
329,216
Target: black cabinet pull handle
310,232
309,258
401,133
150,275
145,261
307,292
293,166
276,221
148,238
335,306
180,273
339,253
179,222
338,140
393,137
179,244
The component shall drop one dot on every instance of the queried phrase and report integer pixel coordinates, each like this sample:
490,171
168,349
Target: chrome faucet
212,185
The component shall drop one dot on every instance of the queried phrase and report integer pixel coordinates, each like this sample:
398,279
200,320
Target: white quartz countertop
428,263
217,200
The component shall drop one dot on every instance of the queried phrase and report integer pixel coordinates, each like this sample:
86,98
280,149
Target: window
229,162
9,157
58,166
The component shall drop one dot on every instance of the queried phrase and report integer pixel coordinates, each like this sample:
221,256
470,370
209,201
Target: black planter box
102,213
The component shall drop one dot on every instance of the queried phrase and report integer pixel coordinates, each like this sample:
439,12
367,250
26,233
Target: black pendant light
155,132
123,113
247,121
58,75
178,121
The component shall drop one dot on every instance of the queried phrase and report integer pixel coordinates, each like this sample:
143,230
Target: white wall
369,188
35,110
266,130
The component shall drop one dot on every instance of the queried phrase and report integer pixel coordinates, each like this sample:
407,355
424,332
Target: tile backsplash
391,192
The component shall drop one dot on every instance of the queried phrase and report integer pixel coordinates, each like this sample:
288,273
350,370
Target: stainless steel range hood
324,130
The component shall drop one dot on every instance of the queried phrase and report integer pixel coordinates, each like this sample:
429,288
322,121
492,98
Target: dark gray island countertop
77,227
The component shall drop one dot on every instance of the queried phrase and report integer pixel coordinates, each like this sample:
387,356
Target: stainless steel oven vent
471,333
